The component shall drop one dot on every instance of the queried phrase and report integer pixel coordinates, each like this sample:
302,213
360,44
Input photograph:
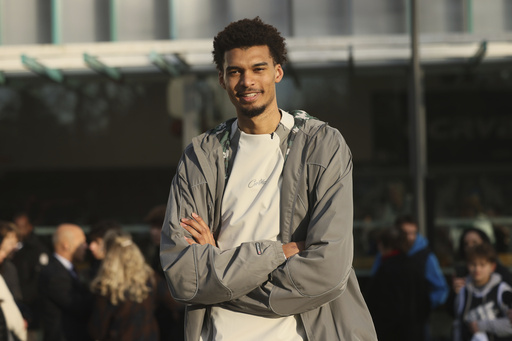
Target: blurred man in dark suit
65,301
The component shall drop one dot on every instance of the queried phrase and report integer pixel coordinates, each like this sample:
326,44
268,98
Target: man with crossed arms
257,239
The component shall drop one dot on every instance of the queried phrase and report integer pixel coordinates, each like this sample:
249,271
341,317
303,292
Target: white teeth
250,95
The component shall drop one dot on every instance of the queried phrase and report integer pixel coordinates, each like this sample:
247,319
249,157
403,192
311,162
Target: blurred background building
98,98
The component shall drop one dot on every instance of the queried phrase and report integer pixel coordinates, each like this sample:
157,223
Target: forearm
500,327
320,273
257,302
239,267
202,274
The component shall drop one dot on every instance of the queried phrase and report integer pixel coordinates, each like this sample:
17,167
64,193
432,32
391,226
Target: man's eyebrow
229,68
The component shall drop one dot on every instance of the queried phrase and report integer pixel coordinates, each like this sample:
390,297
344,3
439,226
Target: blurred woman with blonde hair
125,293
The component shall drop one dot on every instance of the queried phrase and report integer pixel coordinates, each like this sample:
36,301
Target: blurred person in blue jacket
435,289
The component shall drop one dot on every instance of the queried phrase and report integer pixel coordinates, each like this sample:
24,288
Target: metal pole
1,22
114,16
470,16
56,22
291,19
417,125
467,16
408,16
172,21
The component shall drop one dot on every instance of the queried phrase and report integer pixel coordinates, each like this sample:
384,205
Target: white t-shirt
250,212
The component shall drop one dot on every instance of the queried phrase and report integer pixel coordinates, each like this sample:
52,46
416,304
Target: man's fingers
190,240
200,225
197,236
200,220
198,229
206,232
192,223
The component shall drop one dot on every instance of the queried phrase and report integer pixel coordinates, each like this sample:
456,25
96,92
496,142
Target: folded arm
202,235
203,274
320,273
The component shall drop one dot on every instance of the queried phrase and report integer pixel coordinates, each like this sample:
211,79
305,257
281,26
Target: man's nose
247,79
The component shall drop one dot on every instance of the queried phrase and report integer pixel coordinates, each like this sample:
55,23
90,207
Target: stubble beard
253,112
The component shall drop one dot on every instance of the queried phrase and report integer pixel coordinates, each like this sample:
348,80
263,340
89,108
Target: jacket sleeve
438,286
320,273
500,326
202,274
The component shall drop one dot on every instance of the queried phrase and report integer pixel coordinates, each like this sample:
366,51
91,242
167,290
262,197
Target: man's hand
458,283
293,248
198,229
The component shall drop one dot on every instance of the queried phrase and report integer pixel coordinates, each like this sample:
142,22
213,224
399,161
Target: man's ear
221,80
279,72
493,266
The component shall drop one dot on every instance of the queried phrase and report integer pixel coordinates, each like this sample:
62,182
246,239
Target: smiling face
249,76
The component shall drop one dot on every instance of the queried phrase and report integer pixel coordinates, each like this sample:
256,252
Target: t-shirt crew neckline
287,121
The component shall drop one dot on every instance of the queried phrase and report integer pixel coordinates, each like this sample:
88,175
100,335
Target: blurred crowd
107,285
99,286
407,284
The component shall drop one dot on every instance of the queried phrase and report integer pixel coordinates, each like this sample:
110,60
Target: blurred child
482,304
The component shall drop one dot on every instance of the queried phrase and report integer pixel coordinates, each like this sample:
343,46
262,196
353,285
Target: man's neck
65,256
265,123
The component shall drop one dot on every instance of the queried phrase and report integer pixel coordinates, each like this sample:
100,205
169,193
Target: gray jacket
319,284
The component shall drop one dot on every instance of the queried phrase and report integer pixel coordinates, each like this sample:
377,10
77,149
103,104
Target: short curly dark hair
247,33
